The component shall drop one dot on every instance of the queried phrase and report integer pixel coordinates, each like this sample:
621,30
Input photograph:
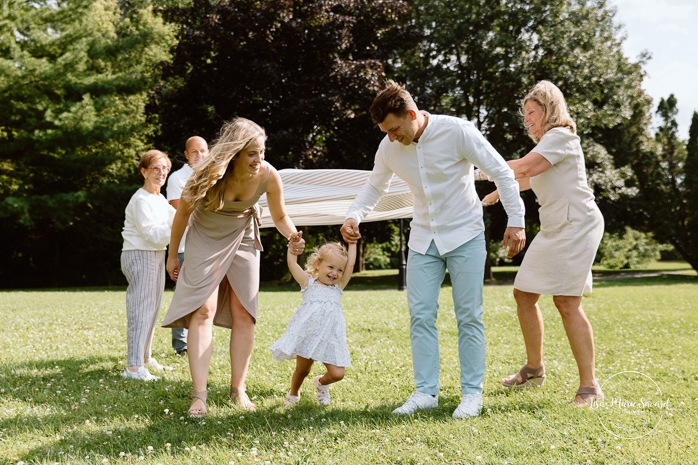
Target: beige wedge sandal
529,377
588,396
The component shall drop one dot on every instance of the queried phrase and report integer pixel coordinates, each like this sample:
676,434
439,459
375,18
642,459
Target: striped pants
145,273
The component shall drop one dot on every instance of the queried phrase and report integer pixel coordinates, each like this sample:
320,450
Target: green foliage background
74,82
87,85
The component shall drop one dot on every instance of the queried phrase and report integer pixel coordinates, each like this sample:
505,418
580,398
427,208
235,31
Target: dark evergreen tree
305,70
664,185
690,196
74,79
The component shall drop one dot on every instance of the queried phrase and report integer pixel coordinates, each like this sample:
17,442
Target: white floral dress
317,329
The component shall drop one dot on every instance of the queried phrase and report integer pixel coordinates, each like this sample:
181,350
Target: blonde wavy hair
547,95
207,186
321,253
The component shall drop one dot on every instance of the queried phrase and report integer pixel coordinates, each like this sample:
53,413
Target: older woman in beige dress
219,281
558,261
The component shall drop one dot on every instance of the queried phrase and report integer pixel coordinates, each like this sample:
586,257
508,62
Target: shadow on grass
502,276
634,280
83,408
67,289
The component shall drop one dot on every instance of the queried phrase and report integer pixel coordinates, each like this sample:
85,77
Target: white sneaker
322,391
291,400
155,365
417,401
142,374
470,406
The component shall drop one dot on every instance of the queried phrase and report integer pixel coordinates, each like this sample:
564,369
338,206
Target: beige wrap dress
220,244
559,259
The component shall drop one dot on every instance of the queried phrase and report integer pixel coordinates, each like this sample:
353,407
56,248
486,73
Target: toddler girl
317,330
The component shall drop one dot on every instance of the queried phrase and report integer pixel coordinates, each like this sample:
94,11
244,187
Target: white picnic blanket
322,197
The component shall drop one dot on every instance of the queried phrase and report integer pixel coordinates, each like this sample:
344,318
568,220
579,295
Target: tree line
87,85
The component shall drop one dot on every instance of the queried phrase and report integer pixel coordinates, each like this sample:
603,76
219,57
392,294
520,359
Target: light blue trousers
425,274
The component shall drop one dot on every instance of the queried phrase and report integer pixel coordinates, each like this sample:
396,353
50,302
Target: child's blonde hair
321,253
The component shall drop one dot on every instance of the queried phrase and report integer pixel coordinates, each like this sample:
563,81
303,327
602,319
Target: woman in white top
558,261
146,235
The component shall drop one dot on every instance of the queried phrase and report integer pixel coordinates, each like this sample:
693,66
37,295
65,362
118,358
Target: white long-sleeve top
175,187
148,222
439,170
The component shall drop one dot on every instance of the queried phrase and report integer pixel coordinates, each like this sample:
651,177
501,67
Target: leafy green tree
673,166
630,249
74,79
666,202
305,70
667,212
478,59
671,152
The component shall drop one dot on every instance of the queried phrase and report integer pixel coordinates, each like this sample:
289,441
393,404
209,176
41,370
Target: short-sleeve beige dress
220,244
559,259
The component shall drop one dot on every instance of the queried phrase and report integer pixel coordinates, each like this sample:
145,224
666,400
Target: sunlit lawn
62,399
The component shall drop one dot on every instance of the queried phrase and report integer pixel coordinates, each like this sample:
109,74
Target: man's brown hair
393,98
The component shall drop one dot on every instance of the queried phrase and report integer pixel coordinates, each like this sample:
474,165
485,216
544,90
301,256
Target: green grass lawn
62,399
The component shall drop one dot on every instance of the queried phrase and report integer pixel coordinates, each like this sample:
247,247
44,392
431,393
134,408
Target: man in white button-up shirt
435,156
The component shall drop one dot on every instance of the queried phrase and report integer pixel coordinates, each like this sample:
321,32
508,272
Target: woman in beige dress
558,261
219,281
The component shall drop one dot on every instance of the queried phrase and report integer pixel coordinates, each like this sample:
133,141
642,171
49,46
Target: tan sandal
198,411
530,377
239,397
588,396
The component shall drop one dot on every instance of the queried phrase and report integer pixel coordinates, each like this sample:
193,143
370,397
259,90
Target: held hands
490,199
350,231
480,176
173,266
296,243
515,239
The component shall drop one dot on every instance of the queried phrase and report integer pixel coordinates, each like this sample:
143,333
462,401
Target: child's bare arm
297,272
349,268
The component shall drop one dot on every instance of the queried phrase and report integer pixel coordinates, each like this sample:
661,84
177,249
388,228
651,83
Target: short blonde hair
321,253
207,185
550,97
150,157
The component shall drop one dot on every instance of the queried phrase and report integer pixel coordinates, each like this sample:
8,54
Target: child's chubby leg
333,374
303,366
321,383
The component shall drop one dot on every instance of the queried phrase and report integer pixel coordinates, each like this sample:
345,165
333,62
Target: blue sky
668,29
